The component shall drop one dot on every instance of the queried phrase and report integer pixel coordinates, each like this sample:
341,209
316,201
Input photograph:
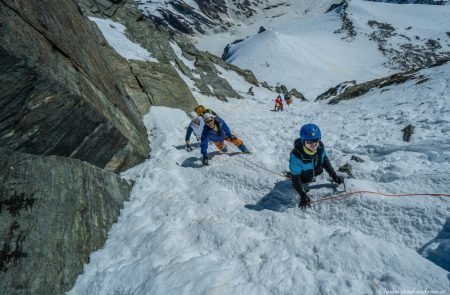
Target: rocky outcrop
106,7
402,52
212,8
346,168
347,28
246,74
297,94
66,100
405,55
179,16
147,83
169,88
282,89
54,212
350,92
335,91
360,89
266,85
162,85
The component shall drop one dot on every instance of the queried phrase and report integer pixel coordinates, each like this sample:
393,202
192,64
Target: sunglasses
314,141
209,121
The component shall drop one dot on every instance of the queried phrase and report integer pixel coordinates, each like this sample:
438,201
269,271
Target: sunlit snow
114,33
234,227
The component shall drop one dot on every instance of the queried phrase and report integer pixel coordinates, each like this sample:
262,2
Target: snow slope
234,228
114,33
311,57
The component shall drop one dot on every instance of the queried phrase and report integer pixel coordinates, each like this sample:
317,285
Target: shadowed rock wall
58,93
54,212
59,96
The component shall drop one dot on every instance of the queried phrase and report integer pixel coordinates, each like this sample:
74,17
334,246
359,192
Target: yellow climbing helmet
200,109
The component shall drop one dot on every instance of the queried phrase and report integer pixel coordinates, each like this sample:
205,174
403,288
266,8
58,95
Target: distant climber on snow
250,91
307,160
218,131
278,103
201,110
287,99
195,126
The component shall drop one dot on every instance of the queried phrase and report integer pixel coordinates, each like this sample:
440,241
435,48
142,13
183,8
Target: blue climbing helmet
310,132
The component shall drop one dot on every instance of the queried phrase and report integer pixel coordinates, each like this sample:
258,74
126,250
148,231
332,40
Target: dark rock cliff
54,212
60,98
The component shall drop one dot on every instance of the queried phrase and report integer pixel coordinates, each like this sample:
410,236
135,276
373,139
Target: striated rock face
106,7
155,79
58,98
54,212
60,94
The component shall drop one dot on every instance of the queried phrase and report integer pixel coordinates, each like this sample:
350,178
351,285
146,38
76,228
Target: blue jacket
209,134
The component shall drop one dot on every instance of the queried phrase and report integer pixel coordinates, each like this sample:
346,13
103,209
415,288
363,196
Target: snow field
233,228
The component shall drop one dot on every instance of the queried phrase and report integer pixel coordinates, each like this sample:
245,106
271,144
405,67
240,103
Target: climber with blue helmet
307,160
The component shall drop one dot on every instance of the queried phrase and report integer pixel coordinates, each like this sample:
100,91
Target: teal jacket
305,167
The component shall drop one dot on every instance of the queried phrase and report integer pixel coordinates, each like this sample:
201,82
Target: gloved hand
233,137
305,201
338,179
287,174
189,147
205,160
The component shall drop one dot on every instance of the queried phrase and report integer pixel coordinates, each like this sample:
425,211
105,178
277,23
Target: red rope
345,195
